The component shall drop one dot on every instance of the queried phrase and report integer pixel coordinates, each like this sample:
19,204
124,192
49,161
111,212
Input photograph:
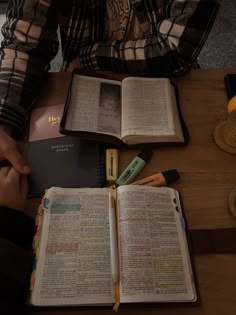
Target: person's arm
30,42
16,235
178,32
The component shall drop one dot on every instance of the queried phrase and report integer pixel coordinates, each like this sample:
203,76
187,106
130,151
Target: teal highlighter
134,168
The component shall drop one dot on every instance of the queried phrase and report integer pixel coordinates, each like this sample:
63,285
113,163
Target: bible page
154,259
147,111
95,106
74,264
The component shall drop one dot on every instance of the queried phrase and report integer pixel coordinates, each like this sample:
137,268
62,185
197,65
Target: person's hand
13,188
10,152
75,64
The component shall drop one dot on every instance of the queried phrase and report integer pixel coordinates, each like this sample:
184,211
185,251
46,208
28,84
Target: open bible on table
132,112
76,241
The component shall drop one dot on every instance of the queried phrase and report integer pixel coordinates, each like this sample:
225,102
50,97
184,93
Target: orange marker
159,179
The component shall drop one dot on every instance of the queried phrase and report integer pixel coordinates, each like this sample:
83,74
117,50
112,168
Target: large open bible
77,237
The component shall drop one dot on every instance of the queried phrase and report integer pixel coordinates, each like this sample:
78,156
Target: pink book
45,122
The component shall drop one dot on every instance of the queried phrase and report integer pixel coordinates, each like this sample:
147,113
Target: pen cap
171,175
145,155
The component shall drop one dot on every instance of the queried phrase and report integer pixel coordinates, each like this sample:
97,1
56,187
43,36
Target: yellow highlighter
111,165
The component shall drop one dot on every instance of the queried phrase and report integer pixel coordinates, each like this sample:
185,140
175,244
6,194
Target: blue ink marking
182,221
63,208
46,203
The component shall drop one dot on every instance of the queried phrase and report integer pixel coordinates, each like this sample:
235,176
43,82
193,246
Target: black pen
5,163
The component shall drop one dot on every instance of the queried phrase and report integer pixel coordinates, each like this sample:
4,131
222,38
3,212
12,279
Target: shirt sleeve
177,33
29,44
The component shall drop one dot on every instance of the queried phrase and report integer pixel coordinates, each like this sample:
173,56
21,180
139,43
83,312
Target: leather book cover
59,160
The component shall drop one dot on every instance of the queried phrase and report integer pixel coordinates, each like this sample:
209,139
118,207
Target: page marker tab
182,221
46,203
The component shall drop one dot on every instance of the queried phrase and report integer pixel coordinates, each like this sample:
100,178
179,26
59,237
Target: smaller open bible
130,112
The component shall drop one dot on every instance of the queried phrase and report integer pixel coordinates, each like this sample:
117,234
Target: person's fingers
17,161
9,151
19,180
24,185
4,171
14,177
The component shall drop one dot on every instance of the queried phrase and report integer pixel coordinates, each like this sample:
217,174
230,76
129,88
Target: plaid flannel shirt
174,33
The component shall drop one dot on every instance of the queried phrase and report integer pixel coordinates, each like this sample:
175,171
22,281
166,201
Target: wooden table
207,176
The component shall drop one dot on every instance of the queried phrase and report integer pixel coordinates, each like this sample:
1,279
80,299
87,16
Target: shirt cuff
88,58
13,118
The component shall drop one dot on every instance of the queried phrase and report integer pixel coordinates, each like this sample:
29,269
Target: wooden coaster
217,134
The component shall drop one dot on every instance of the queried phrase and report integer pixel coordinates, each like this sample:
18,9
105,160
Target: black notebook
58,160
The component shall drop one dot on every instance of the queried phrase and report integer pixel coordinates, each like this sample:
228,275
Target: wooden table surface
208,174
